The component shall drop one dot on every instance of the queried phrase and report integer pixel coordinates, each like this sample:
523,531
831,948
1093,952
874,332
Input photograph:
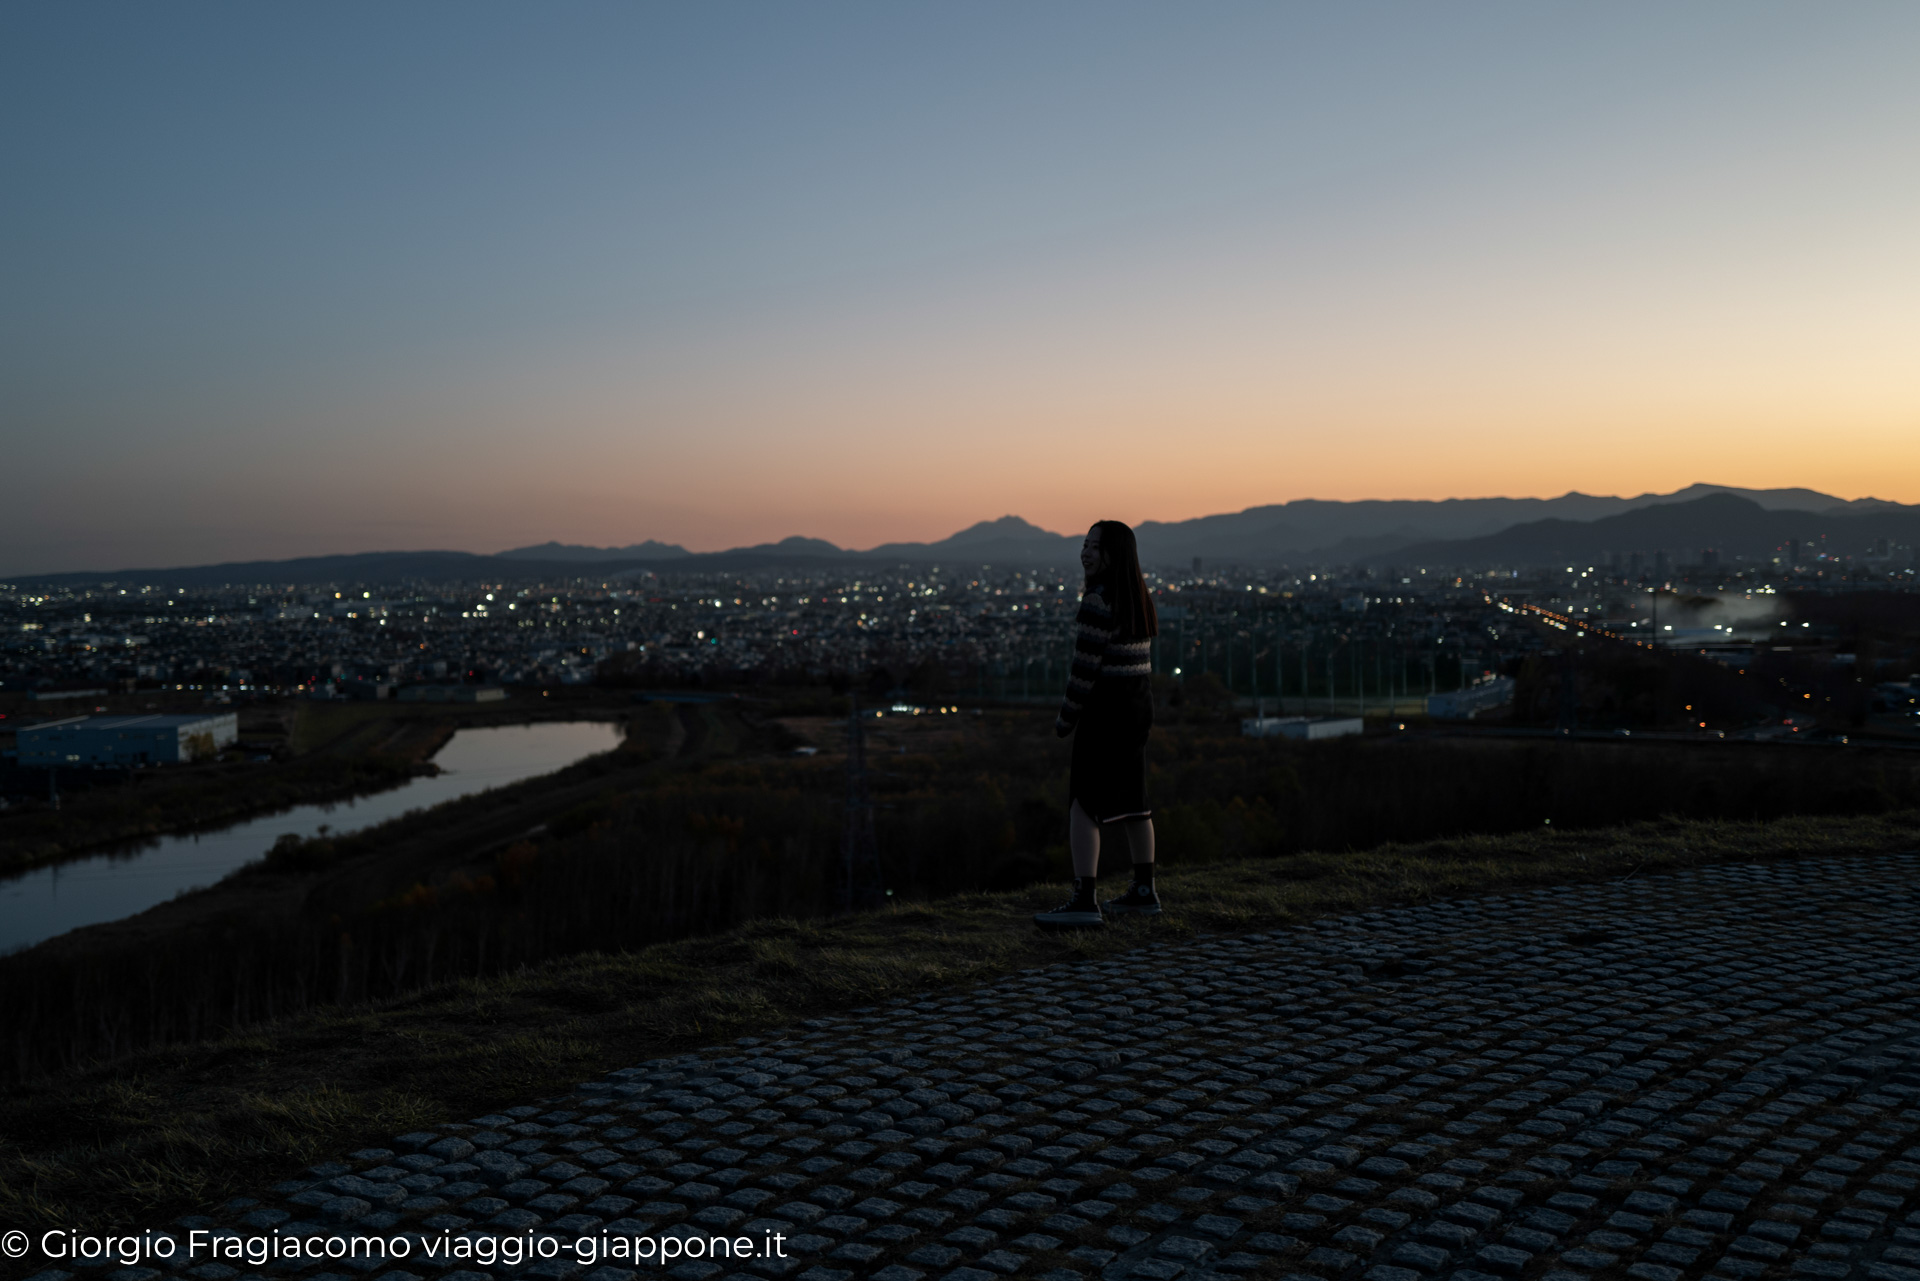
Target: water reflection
52,900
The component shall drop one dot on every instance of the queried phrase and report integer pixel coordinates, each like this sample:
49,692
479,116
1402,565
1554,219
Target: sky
295,280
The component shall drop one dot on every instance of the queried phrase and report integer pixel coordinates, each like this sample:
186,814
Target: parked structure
100,741
1307,727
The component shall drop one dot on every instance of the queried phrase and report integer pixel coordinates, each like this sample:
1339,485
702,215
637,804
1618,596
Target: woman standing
1110,704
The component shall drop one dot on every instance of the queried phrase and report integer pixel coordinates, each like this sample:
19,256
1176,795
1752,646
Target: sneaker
1072,915
1139,900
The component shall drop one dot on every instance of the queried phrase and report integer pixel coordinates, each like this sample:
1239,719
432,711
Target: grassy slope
148,1137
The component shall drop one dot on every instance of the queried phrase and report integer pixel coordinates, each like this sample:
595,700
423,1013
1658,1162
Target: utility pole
860,888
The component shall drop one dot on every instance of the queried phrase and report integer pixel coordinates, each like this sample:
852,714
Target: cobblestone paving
1711,1074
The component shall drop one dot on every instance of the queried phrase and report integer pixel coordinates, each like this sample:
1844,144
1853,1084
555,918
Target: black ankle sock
1083,890
1143,875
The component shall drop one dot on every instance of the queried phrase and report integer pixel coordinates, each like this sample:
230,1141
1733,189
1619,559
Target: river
47,901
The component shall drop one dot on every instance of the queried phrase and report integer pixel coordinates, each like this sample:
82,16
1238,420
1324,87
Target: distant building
1662,566
55,695
451,694
83,741
1465,704
1314,727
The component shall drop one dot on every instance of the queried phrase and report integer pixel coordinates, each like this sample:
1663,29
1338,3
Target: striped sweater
1098,652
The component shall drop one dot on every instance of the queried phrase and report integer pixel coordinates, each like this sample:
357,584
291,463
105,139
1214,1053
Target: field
707,819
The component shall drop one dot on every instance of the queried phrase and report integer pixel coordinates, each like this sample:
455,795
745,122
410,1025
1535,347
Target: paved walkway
1715,1073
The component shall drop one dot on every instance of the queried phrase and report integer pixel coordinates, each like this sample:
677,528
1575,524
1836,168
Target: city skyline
286,283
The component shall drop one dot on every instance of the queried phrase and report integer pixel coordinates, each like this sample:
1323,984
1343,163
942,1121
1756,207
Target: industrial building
101,741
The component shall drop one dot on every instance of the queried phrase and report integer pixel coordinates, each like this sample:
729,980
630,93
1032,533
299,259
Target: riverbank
147,973
151,804
159,1133
339,752
42,904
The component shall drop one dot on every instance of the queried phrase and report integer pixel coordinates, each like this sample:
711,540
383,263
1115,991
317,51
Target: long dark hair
1125,587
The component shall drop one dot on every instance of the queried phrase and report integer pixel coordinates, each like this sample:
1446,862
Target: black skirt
1109,776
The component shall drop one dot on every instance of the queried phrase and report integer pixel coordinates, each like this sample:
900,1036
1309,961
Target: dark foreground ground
1710,1072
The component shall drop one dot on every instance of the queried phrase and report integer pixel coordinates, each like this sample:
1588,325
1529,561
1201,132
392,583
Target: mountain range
1735,527
1308,529
1450,532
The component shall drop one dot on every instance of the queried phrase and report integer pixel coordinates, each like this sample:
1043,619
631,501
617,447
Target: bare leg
1083,838
1140,840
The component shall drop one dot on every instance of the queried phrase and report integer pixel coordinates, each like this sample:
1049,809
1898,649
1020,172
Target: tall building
1662,566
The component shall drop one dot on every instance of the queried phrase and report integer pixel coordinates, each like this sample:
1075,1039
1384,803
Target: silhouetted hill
1307,530
1312,530
561,552
1006,541
1732,525
1457,531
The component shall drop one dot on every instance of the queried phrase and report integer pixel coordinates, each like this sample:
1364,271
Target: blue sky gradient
283,280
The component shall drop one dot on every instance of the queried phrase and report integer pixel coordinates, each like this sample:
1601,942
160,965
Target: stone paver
1710,1074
